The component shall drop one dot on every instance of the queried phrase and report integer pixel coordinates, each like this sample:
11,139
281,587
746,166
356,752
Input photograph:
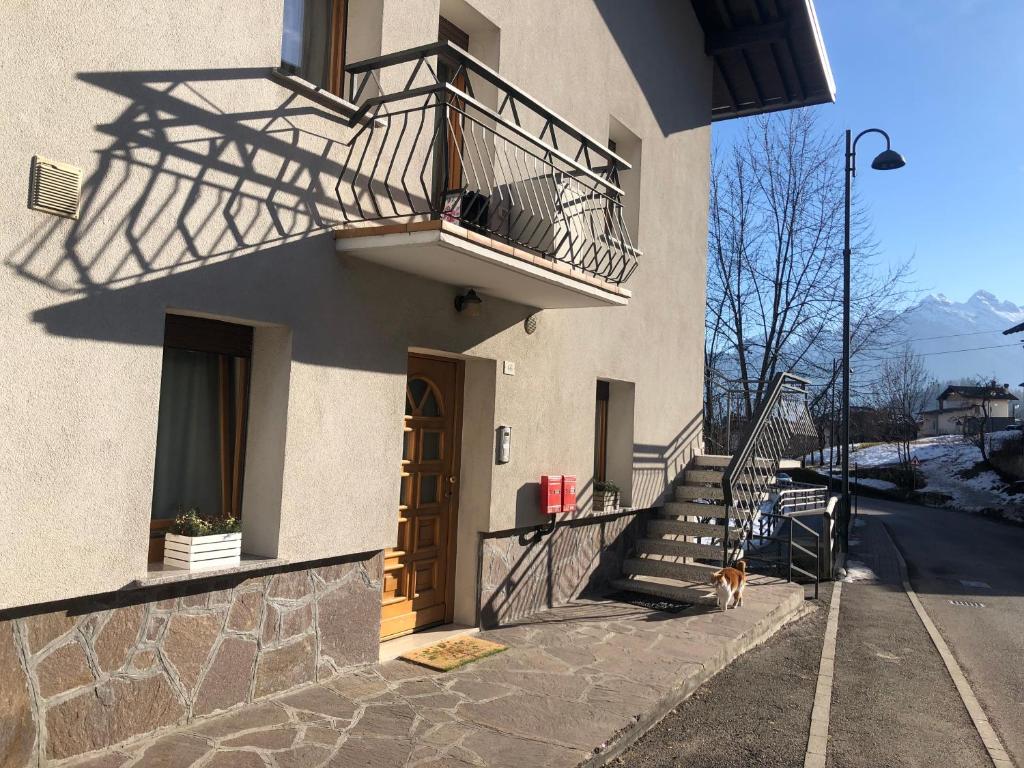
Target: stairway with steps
671,562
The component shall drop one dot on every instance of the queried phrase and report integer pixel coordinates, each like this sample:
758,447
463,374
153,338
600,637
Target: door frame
450,546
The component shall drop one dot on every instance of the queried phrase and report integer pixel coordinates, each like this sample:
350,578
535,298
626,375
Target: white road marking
817,739
996,752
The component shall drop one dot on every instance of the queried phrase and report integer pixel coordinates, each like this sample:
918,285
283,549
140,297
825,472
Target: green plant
606,486
193,523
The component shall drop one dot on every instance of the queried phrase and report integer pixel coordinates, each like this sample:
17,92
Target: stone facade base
91,672
522,572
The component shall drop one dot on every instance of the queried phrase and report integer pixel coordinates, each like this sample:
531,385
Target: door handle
451,484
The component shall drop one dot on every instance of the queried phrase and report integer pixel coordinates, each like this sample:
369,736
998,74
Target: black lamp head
889,160
469,303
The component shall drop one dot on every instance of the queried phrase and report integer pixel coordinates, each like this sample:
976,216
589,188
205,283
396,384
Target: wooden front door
418,572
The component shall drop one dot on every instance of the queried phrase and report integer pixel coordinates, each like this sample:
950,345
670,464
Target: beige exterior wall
209,189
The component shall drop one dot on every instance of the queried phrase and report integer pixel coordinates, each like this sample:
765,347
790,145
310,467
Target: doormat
451,654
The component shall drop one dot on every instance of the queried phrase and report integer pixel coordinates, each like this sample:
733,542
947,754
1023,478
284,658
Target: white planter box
196,553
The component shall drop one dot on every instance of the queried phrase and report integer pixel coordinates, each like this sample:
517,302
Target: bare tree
901,393
775,237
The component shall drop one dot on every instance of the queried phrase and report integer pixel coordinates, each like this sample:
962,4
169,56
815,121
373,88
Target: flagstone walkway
577,683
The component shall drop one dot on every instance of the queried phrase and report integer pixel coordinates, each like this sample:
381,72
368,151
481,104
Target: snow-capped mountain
977,322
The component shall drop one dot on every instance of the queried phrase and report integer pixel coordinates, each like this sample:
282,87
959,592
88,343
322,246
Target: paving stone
188,642
226,683
271,625
65,668
497,750
291,585
244,615
104,760
303,756
195,600
235,759
285,667
479,690
110,713
143,660
348,622
319,734
368,752
385,720
274,738
249,718
178,750
296,622
321,700
118,637
43,628
155,627
565,686
555,721
17,727
359,685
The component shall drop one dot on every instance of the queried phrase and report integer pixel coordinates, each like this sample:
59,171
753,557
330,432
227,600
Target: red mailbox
550,494
568,493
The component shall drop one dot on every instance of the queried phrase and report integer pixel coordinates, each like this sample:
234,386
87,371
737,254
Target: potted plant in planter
195,542
606,495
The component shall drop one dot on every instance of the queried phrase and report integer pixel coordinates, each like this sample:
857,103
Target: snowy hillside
945,461
977,322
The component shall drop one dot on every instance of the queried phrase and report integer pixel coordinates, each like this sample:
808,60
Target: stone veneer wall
82,675
522,573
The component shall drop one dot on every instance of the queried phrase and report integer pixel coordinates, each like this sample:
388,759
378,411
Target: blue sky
945,78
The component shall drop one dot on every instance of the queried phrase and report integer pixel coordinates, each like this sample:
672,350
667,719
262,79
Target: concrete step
674,527
692,492
677,548
702,476
785,464
665,589
687,572
673,509
712,460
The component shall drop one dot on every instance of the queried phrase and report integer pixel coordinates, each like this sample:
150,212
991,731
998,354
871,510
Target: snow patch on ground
858,571
943,459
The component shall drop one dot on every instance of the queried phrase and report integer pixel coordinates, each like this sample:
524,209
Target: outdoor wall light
888,160
469,303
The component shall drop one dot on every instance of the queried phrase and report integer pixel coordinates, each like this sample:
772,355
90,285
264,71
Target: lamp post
888,160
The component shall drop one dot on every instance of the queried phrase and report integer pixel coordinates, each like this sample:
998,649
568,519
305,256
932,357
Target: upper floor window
313,42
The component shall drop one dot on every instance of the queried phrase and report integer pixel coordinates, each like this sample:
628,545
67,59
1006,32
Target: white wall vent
54,188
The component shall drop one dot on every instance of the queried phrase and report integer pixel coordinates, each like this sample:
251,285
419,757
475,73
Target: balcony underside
447,253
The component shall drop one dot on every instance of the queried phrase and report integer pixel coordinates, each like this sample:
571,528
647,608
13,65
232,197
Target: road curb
817,738
996,752
781,615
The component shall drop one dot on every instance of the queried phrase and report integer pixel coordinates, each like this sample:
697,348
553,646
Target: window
313,42
201,430
601,433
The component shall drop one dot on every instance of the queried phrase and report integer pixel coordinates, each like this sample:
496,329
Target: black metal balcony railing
428,145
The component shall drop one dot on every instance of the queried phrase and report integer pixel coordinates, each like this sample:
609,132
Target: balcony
454,174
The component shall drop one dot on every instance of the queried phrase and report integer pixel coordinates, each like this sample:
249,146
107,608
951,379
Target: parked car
783,480
1014,428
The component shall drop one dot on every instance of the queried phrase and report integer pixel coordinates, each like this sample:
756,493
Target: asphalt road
957,556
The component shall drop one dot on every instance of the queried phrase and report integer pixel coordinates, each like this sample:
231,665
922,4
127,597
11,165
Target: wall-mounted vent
54,188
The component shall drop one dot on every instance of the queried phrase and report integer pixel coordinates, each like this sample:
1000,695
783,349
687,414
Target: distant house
959,405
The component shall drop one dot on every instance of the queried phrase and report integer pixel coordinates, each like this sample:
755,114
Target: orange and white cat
729,584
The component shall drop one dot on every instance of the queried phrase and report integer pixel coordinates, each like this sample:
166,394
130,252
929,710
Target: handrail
751,471
504,166
473,64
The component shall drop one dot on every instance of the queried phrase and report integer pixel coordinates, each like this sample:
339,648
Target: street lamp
887,160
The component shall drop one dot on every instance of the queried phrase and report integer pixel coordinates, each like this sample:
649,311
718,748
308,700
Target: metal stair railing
747,481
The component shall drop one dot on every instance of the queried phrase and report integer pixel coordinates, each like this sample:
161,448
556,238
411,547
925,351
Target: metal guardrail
750,477
791,544
442,135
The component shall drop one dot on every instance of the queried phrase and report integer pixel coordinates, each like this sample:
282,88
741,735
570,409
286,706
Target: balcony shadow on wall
214,192
666,82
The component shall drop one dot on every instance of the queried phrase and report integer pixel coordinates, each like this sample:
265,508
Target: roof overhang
768,55
1015,329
